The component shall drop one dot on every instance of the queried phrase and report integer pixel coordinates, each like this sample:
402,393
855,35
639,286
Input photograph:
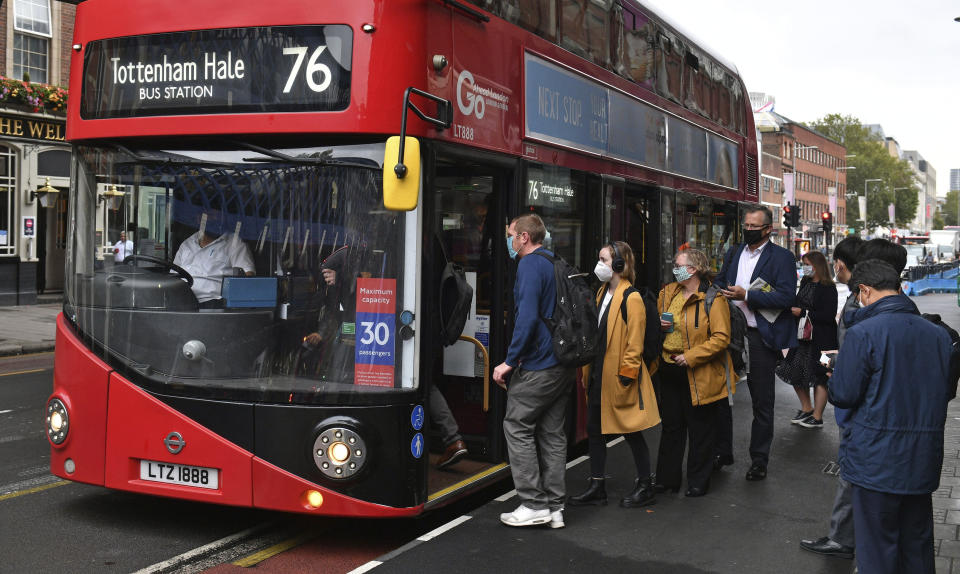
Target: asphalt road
51,525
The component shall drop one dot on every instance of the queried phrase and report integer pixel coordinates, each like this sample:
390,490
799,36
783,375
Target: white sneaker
556,519
524,516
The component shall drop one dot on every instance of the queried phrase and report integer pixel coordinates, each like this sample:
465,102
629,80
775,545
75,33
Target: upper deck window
585,28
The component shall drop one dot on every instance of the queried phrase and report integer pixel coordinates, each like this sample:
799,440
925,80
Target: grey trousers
841,518
536,438
441,415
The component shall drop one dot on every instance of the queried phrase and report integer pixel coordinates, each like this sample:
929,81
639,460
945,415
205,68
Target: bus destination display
237,70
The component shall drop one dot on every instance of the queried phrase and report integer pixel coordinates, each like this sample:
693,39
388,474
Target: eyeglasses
752,226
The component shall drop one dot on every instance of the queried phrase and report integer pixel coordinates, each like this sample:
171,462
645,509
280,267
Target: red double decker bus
293,369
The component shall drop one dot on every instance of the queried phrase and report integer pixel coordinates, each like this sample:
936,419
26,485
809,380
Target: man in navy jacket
892,373
770,326
534,422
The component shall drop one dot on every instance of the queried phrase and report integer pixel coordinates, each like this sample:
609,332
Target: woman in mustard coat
620,396
694,370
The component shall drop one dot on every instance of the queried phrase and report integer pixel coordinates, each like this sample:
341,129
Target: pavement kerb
25,348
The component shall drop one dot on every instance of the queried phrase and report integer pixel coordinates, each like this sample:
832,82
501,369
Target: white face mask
603,271
807,269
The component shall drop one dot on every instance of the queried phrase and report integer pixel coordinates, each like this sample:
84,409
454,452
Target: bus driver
209,255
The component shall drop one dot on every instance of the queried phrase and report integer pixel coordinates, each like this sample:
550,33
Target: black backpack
954,373
738,329
455,298
573,327
652,340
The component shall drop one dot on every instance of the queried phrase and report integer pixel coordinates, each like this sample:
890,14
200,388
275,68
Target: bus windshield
245,272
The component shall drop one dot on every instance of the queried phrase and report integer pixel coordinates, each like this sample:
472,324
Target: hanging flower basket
33,97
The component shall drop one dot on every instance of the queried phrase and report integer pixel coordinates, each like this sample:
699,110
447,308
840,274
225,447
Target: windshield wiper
170,159
325,159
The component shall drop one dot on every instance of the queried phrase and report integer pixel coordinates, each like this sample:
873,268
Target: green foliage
949,210
872,161
938,222
34,96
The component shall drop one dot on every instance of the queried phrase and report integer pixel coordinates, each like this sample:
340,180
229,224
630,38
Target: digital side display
237,70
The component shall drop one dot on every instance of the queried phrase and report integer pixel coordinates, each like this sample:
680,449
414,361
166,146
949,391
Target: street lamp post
866,223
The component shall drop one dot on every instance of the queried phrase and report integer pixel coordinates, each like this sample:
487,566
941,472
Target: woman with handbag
620,396
816,314
696,373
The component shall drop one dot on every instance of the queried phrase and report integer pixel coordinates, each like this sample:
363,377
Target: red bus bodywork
108,411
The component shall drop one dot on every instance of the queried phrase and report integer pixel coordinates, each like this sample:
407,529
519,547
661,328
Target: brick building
35,44
820,183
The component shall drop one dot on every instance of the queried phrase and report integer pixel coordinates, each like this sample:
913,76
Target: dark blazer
823,315
778,268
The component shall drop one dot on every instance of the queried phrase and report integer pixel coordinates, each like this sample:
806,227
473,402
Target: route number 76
313,68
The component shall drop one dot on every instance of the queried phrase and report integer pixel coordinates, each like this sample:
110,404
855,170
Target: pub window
8,195
31,39
54,163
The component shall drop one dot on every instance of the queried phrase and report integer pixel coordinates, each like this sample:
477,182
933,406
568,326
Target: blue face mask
682,273
510,250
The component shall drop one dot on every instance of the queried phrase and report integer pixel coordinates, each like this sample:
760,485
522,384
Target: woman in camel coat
694,370
620,395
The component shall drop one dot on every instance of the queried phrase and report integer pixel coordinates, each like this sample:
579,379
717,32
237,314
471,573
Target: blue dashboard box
247,292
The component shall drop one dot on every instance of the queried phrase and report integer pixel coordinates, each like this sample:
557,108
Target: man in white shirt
769,328
209,258
123,248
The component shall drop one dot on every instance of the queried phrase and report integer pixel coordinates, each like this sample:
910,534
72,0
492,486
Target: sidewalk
28,328
738,527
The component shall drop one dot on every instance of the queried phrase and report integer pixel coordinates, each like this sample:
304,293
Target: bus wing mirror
401,191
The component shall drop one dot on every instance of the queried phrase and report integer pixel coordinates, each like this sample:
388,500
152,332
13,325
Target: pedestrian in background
816,312
539,388
760,277
620,396
892,374
123,248
694,368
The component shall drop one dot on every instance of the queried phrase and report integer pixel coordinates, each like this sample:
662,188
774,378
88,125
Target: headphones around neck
618,263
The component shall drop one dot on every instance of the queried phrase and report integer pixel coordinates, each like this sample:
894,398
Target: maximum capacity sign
376,328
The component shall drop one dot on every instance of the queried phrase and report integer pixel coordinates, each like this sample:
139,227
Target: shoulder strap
550,258
623,303
712,291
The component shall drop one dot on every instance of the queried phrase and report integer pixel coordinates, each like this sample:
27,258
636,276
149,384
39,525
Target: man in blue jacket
539,388
760,277
892,373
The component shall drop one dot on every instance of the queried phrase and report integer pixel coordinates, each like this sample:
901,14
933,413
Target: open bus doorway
462,230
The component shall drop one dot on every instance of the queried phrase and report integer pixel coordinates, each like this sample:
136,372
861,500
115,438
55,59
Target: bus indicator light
313,499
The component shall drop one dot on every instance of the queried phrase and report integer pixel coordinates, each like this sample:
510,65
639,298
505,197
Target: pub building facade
35,44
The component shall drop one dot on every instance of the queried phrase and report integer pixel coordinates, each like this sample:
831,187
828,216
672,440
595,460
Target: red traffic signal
788,218
827,218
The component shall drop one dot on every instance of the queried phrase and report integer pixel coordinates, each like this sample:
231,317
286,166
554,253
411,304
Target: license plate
171,473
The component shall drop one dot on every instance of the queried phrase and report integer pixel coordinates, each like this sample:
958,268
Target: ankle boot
595,494
642,495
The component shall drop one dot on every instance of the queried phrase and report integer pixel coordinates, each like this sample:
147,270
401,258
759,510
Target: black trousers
894,532
761,381
680,419
597,444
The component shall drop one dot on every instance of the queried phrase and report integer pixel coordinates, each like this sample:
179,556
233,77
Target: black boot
642,495
595,494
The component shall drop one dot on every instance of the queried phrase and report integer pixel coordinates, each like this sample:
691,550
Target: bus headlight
339,452
58,421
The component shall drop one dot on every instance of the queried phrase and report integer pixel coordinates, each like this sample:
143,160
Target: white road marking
448,526
214,546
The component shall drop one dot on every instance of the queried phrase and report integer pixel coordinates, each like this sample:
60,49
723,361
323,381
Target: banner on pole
832,199
788,188
863,208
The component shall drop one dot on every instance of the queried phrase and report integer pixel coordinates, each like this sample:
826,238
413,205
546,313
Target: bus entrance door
461,400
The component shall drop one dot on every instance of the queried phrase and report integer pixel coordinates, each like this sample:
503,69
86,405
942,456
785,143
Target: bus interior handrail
486,369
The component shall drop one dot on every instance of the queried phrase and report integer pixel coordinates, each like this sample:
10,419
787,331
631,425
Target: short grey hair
767,214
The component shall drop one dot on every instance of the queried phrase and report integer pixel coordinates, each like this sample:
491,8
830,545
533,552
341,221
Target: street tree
873,162
950,209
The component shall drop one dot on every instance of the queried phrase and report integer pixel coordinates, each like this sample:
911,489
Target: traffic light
795,213
788,215
827,219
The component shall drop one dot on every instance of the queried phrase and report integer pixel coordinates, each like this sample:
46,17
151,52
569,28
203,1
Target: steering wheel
163,263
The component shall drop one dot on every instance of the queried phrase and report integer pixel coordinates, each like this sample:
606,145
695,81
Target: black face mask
752,236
